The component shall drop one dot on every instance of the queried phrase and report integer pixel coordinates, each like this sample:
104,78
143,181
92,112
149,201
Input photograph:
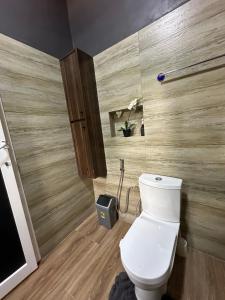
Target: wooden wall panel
35,107
118,79
184,118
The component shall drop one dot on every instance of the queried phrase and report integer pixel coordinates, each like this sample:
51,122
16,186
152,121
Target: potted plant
127,129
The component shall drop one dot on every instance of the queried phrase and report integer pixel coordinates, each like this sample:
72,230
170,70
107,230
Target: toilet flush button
158,178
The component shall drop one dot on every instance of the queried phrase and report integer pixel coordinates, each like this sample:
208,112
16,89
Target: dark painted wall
42,24
98,24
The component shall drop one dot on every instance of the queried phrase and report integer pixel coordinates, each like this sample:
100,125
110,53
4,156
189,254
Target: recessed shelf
118,118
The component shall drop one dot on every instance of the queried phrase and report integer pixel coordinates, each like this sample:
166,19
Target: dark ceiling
98,24
93,24
42,24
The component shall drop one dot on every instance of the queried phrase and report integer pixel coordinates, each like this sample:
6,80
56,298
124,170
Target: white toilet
148,249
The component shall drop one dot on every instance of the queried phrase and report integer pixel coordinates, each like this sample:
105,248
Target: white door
17,257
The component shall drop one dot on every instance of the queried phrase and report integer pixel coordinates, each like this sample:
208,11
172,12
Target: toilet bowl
148,249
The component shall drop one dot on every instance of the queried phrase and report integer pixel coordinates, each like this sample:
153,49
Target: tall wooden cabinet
82,101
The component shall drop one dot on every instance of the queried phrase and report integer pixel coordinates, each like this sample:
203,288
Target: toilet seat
148,250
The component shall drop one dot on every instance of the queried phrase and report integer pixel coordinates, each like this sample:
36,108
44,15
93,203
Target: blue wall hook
161,77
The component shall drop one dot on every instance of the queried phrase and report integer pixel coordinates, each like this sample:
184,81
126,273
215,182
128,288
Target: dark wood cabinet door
81,93
92,112
82,148
73,86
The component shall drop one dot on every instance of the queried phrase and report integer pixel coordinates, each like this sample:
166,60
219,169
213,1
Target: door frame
22,227
19,181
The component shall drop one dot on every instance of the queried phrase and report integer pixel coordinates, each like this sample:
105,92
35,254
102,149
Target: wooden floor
84,266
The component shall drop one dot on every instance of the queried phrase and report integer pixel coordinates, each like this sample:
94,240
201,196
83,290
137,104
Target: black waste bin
106,206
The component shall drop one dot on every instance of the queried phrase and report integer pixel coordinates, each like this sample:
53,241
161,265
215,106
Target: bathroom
121,102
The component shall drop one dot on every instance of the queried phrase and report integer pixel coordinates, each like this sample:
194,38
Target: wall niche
119,117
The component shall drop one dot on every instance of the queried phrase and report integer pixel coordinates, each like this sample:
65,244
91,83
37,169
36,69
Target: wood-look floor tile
85,264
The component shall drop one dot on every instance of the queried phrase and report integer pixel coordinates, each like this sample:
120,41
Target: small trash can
106,210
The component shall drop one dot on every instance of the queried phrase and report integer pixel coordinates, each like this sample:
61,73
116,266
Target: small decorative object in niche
127,129
142,127
128,121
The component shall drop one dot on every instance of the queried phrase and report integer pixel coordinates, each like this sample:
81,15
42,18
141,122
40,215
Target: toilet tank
161,196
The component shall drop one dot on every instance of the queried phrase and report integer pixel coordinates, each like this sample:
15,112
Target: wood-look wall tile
46,184
29,165
122,56
21,121
204,195
184,119
203,154
182,18
58,217
25,84
26,67
180,47
40,104
76,191
210,174
20,49
55,139
118,75
34,103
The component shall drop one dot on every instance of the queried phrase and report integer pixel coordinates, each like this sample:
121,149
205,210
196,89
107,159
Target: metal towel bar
163,76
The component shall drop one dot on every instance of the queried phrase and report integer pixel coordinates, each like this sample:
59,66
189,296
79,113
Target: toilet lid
147,250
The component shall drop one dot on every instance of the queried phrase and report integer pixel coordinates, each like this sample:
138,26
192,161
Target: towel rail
206,65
